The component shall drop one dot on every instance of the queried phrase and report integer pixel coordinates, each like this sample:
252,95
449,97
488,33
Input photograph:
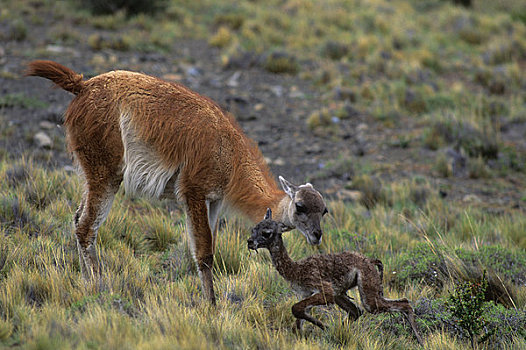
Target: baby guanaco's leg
299,309
347,304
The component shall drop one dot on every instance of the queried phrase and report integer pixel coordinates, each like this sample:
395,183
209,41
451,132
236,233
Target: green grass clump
132,7
18,30
20,100
148,295
222,38
334,50
371,189
281,62
510,265
319,119
423,264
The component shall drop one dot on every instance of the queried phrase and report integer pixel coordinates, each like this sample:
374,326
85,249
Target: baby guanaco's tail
57,73
380,267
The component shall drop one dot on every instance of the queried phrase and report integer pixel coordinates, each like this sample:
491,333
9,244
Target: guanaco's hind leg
93,210
202,242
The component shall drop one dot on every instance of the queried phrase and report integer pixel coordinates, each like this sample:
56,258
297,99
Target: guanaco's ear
288,187
268,215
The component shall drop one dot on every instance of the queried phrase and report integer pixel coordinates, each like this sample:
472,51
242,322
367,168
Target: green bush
281,62
334,50
510,265
423,263
132,7
371,189
466,304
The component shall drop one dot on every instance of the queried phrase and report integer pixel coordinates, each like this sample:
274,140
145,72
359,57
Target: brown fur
200,151
325,279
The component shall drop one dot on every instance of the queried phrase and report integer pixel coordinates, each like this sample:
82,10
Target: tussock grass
148,295
455,71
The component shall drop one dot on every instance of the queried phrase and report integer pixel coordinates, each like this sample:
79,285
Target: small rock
54,114
259,106
313,149
471,198
172,77
362,127
296,94
233,80
57,49
277,90
69,169
279,162
45,124
193,71
42,140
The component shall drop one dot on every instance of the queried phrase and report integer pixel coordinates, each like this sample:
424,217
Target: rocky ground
271,108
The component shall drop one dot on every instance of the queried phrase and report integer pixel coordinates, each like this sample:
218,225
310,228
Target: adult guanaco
164,140
325,279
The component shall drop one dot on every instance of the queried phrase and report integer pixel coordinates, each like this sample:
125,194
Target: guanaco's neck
256,191
282,261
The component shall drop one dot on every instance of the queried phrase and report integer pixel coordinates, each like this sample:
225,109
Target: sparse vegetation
148,276
20,100
431,95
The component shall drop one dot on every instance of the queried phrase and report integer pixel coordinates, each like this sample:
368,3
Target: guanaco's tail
57,73
380,267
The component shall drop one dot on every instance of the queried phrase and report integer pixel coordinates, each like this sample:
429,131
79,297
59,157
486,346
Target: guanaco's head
265,233
306,209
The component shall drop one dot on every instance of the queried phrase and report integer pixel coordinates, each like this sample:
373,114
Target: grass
455,73
149,293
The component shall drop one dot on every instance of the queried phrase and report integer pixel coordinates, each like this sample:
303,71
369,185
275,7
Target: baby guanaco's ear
268,215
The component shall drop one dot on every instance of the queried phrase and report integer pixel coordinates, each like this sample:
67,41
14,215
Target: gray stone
42,140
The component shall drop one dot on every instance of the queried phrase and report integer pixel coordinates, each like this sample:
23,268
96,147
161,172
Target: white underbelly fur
143,171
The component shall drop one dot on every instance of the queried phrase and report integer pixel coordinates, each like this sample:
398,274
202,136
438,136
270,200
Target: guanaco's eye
301,208
267,233
326,211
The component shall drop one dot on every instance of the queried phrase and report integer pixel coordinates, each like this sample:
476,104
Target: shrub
371,189
334,50
463,135
233,21
502,325
20,100
132,7
466,305
421,263
319,119
18,30
281,62
6,329
477,168
222,38
506,263
442,165
342,168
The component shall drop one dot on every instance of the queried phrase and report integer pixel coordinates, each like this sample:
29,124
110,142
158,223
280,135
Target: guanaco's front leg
202,243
